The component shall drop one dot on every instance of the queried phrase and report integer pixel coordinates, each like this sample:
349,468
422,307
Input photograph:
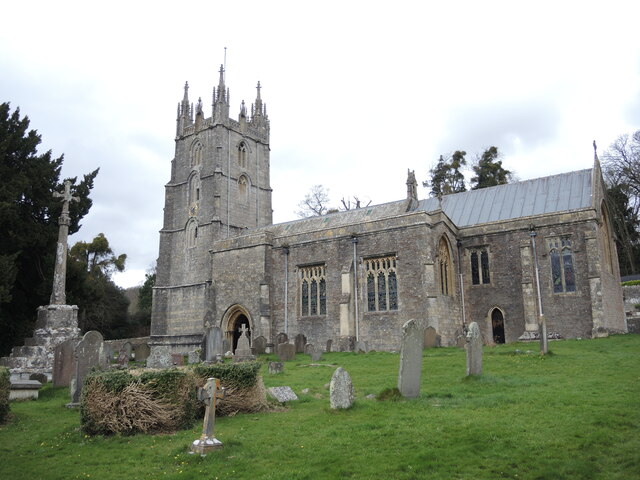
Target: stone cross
58,295
209,394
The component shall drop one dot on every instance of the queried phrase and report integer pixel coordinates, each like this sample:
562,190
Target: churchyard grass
571,414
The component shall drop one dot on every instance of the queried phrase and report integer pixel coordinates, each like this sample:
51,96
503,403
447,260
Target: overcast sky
356,92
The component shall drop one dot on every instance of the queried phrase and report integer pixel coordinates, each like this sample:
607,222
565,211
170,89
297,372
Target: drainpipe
542,322
354,241
286,290
464,314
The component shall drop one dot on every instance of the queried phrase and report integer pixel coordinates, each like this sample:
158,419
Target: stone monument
209,394
243,349
89,353
410,359
341,389
474,350
56,322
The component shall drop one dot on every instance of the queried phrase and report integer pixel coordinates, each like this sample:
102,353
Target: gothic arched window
563,277
194,189
242,155
243,188
191,233
313,290
445,267
197,152
382,284
480,266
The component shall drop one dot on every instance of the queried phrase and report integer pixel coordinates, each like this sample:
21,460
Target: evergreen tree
28,222
102,304
447,176
489,171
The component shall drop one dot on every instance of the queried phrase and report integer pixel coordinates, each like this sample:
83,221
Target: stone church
359,275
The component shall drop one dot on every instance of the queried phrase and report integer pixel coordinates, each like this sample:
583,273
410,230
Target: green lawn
574,414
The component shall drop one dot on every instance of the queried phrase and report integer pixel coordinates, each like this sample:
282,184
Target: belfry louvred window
382,283
313,290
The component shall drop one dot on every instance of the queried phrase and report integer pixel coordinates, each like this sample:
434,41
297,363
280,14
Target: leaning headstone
300,342
209,394
276,367
474,350
282,338
282,394
286,352
141,352
341,389
212,344
260,345
243,349
410,369
431,338
89,352
160,357
64,363
329,345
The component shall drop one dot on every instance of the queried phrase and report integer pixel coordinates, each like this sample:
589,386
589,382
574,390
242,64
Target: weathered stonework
240,269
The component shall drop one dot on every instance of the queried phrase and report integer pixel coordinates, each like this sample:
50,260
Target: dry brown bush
243,400
132,410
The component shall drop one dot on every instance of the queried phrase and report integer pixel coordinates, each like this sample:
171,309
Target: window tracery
445,266
197,152
242,155
562,272
313,290
382,284
480,274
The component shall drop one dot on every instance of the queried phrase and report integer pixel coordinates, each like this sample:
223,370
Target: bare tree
349,204
316,202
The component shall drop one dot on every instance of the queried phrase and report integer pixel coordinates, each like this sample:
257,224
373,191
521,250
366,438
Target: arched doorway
497,325
234,322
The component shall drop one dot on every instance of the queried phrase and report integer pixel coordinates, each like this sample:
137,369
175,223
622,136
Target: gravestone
193,357
329,345
160,357
410,369
341,389
64,363
89,352
300,342
212,344
316,354
474,350
362,347
282,338
276,367
225,347
126,346
260,345
123,357
282,394
286,352
346,343
209,394
243,350
307,348
141,352
431,338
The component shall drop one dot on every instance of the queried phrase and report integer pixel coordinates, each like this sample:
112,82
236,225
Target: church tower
219,188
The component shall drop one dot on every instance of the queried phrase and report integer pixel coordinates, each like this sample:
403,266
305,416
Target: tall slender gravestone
89,353
474,350
410,359
57,322
213,344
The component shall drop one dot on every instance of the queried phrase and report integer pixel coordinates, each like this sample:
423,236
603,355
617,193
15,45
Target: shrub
118,402
390,394
5,387
244,389
630,283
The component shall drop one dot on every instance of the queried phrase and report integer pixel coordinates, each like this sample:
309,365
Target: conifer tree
489,171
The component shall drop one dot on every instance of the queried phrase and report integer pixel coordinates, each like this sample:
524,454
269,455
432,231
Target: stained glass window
314,298
475,270
562,271
484,265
